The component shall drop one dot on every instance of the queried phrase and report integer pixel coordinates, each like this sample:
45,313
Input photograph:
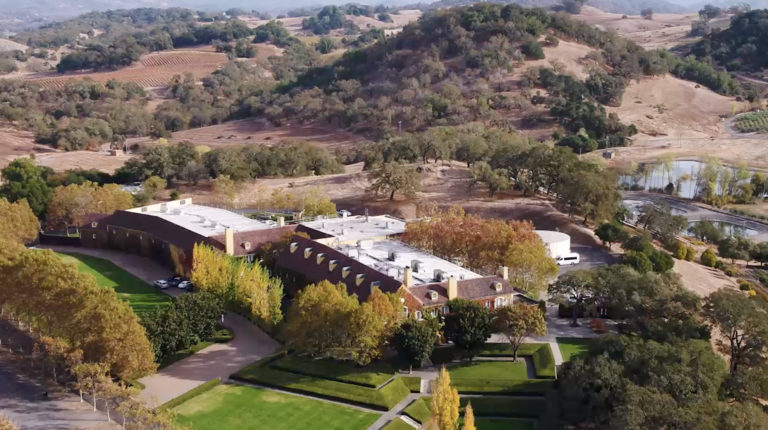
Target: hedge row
384,398
413,383
372,376
541,353
492,386
200,389
496,406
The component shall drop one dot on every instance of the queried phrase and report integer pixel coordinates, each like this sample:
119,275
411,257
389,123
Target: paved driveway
217,361
21,402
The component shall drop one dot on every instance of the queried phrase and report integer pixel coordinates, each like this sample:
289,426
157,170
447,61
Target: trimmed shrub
639,261
679,250
690,253
708,258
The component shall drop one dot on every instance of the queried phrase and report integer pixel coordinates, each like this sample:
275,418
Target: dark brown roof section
156,226
248,242
317,262
468,289
312,233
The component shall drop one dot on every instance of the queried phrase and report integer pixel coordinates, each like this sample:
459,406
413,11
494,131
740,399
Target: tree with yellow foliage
469,418
19,224
245,287
326,321
70,204
445,402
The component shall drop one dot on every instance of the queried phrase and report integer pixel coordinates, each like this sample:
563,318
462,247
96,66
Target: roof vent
439,275
417,266
392,256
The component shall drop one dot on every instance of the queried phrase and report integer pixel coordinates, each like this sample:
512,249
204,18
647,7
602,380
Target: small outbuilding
558,244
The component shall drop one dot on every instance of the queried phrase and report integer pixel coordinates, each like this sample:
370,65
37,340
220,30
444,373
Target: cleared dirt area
10,45
701,280
14,144
255,131
61,161
668,106
665,30
152,70
570,54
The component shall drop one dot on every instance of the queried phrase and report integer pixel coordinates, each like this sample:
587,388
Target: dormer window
433,295
294,247
498,286
247,246
94,224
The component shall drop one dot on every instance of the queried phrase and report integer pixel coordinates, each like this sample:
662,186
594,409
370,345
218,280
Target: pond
686,175
728,229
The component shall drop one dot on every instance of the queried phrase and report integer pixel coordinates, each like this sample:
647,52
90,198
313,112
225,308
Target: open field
497,370
10,45
257,131
14,144
230,407
665,30
60,161
152,70
671,107
142,297
572,55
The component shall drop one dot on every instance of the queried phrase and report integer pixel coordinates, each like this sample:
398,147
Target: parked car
568,259
184,285
174,281
161,283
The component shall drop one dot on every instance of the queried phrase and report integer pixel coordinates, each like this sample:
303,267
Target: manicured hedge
493,386
200,389
420,410
490,406
541,353
385,398
513,407
544,362
413,383
373,375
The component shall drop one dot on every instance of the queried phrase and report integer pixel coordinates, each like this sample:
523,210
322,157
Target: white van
567,259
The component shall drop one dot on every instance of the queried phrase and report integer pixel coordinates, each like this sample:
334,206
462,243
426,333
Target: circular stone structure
557,244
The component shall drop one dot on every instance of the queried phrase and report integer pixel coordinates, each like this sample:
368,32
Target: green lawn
500,370
397,424
372,375
239,407
385,398
571,347
141,296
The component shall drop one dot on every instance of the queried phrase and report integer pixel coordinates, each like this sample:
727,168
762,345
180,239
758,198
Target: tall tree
70,204
518,322
18,222
573,288
468,325
743,322
469,418
414,342
395,177
445,402
23,179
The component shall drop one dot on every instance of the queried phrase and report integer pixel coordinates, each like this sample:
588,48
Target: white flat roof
358,227
549,236
378,255
204,220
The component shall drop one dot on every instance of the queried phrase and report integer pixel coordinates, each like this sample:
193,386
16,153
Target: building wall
131,241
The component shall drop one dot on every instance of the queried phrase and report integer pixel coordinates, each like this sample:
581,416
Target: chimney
407,277
281,221
229,235
504,272
453,288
